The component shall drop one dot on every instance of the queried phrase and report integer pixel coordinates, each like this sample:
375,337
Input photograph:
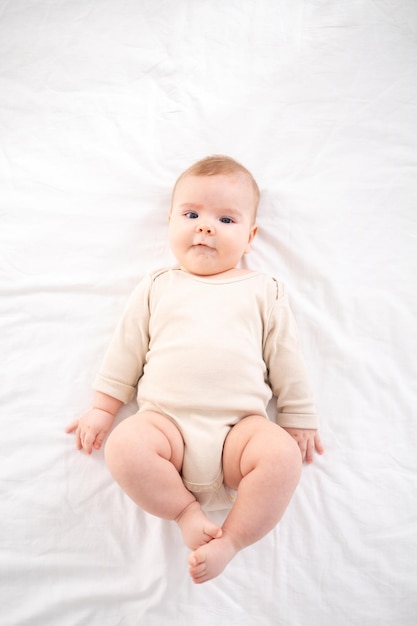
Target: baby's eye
226,220
192,215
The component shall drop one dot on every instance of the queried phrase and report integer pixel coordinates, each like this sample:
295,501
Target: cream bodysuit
206,353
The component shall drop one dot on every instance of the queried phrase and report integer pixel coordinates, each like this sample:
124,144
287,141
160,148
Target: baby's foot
196,528
209,560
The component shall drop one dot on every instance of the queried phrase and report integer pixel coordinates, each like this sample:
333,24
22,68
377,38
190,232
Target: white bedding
102,104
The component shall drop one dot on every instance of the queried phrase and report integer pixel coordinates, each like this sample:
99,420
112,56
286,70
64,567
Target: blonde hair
219,164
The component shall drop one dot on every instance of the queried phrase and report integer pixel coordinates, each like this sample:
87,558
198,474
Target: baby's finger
78,438
303,449
99,440
310,451
72,426
318,444
88,441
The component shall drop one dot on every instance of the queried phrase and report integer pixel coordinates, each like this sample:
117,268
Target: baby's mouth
201,244
204,248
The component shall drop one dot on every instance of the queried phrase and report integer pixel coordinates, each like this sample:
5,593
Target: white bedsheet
102,104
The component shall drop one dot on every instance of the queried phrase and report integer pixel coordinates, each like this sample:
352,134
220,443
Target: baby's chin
202,263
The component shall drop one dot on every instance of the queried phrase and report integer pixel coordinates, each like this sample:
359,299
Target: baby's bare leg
145,454
263,463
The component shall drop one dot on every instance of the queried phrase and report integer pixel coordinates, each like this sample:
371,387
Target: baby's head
212,221
221,165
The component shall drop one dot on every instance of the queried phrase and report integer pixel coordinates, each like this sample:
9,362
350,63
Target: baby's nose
206,229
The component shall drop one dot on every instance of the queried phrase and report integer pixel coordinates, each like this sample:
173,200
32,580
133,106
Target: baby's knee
281,449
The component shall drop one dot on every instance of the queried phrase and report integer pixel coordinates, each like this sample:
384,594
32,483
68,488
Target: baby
205,345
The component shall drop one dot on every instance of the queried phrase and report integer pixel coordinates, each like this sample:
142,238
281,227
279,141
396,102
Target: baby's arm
308,441
92,428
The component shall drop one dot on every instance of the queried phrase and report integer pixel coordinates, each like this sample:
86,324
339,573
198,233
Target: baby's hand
308,441
91,429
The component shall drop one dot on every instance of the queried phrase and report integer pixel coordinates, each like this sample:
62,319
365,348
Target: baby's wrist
99,408
106,403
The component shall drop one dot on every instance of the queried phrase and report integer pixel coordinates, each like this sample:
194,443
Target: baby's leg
145,454
263,463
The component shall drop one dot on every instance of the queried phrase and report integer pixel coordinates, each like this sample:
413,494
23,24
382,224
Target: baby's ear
252,234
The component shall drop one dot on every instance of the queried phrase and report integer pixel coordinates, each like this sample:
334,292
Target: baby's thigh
147,433
253,441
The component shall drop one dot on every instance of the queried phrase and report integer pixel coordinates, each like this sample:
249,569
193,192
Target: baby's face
211,224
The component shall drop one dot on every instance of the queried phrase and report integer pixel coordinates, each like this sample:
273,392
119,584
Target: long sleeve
124,360
286,368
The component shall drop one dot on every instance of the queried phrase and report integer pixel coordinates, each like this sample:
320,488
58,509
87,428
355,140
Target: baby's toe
213,532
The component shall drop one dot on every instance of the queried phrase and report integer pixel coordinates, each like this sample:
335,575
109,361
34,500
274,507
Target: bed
102,105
